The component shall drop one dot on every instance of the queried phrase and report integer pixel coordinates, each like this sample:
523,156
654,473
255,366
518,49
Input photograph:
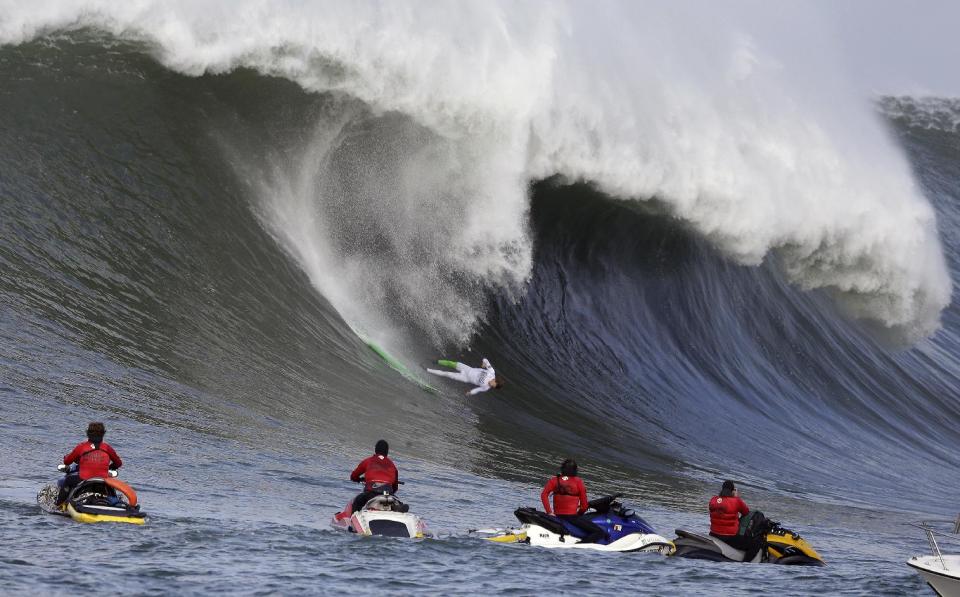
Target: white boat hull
943,576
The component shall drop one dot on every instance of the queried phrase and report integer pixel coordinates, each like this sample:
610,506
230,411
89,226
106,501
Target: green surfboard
399,367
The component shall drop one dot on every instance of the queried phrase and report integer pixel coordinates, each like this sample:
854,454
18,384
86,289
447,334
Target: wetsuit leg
66,484
755,545
457,376
361,500
594,532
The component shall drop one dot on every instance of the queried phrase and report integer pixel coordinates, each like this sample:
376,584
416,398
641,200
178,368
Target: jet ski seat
386,503
551,523
727,550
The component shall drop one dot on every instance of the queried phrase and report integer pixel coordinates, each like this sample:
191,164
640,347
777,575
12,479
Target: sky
898,47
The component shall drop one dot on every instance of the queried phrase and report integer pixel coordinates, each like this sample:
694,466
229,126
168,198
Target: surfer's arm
478,389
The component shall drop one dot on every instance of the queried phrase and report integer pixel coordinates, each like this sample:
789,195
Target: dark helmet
95,432
727,489
569,468
382,447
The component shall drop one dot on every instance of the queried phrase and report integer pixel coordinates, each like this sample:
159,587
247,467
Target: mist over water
690,245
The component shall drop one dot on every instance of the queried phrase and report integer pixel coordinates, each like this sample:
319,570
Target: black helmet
569,468
382,447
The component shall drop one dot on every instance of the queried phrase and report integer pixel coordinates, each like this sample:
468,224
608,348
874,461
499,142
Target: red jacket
94,462
569,495
725,515
377,469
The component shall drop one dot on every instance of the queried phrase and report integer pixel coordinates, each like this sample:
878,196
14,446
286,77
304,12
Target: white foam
732,115
942,114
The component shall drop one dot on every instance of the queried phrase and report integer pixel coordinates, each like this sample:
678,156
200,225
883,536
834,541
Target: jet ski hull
644,542
383,516
104,514
93,501
625,530
383,524
782,547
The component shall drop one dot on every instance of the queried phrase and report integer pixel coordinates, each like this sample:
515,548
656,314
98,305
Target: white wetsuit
479,377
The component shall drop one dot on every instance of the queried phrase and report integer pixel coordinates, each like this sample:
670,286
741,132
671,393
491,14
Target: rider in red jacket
377,469
726,510
569,495
570,501
378,473
94,457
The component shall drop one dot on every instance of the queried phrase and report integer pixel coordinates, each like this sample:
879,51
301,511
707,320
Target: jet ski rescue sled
626,531
383,515
94,500
780,546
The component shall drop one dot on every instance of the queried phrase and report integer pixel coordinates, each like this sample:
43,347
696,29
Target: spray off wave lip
730,133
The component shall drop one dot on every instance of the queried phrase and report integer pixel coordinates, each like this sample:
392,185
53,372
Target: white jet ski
626,531
383,515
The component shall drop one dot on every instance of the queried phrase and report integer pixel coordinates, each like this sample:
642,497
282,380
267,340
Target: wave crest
728,133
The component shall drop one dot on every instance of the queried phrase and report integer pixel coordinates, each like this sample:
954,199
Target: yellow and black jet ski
780,546
94,500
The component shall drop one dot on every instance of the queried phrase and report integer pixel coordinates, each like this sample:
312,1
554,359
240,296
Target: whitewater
694,244
744,150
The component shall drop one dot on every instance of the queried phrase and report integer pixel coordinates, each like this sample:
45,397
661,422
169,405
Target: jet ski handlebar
602,504
362,480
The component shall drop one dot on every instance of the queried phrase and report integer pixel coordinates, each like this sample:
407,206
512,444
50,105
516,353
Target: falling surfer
484,377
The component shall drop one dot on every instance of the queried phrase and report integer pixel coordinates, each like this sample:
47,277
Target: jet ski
626,531
384,515
94,500
781,546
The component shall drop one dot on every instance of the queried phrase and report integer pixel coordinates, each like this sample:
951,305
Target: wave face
684,263
718,131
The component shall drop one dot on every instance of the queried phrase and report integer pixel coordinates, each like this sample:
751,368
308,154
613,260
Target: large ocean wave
681,262
721,132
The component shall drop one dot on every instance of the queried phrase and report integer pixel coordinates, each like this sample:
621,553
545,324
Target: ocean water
685,265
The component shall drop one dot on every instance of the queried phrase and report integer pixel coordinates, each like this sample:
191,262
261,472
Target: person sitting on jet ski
378,473
95,458
726,510
570,501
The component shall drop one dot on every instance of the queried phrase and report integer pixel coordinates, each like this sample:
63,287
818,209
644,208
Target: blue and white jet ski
626,531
